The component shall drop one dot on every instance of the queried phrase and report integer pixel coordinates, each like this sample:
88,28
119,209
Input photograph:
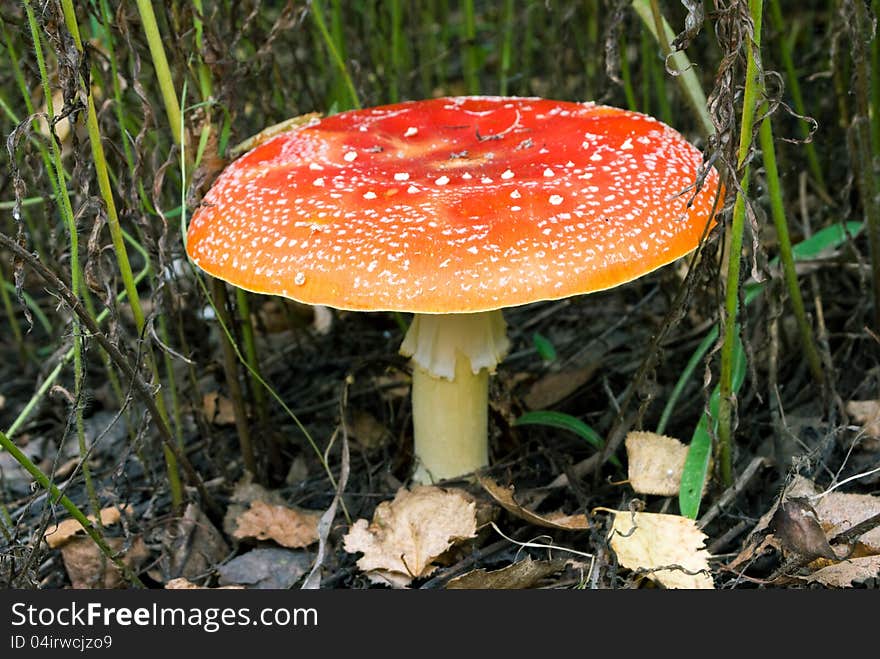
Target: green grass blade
696,465
813,247
564,421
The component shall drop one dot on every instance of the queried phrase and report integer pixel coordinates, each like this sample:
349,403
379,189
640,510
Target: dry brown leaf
191,547
244,494
180,583
755,543
845,573
407,535
668,547
554,387
866,413
796,526
68,528
87,567
286,526
838,512
522,574
504,496
655,463
367,430
218,409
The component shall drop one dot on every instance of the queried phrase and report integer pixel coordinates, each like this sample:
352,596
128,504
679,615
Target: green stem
338,62
50,379
160,64
793,85
735,239
230,369
506,48
649,12
471,55
777,211
59,497
10,314
118,241
862,125
73,237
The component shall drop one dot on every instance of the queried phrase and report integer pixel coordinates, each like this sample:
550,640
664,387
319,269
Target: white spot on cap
315,166
485,179
596,157
443,180
401,176
555,200
515,194
350,156
299,279
466,176
515,208
412,189
507,174
548,173
627,145
319,182
412,130
369,195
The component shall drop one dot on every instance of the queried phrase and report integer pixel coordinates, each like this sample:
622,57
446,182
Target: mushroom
452,209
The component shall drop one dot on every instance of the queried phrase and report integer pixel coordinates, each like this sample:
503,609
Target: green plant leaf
827,239
696,464
545,348
568,422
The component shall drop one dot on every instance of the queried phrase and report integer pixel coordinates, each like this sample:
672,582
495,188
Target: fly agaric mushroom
452,209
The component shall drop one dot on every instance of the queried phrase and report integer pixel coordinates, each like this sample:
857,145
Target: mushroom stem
450,422
453,355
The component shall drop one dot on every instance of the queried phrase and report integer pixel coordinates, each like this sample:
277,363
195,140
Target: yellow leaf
407,535
286,526
68,528
668,548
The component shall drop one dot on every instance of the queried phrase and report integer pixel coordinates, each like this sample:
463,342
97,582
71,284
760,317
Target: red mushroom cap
455,205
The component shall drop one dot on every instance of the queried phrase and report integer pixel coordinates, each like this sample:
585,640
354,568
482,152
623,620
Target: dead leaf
668,548
191,547
407,535
286,526
68,528
655,463
218,409
185,584
367,430
244,494
798,487
866,413
87,567
838,512
796,525
504,496
555,387
523,574
845,573
271,568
